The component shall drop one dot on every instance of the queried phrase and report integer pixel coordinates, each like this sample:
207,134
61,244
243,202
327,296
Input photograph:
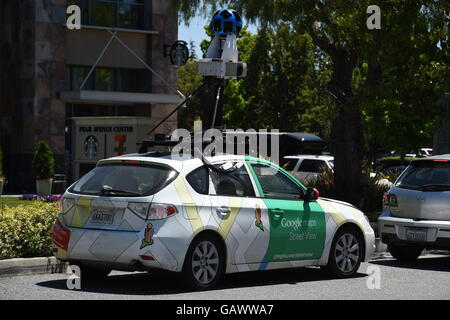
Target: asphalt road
427,278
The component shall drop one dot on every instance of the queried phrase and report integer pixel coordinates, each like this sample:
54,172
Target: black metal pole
177,108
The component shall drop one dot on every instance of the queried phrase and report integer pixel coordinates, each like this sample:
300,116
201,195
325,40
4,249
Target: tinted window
199,180
236,183
113,13
131,179
288,164
276,184
425,173
308,165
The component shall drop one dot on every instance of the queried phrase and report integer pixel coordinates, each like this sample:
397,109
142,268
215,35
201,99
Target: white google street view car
203,218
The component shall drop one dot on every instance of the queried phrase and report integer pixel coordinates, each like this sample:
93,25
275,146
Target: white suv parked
307,167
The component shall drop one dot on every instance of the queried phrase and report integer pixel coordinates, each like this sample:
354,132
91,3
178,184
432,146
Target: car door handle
223,210
277,211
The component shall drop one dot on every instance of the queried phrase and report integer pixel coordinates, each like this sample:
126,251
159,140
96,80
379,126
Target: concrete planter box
44,186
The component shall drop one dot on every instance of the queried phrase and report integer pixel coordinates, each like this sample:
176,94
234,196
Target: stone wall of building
165,21
32,73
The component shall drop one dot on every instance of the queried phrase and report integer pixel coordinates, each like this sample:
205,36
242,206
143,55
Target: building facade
50,91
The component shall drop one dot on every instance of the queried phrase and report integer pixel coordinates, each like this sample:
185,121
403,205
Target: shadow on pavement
423,263
168,283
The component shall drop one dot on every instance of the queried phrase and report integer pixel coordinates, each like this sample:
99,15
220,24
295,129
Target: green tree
359,72
43,164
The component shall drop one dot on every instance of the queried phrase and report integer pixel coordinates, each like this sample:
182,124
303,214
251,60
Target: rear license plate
416,235
102,216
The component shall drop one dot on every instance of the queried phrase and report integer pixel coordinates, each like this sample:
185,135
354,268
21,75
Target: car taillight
60,235
161,211
140,209
390,200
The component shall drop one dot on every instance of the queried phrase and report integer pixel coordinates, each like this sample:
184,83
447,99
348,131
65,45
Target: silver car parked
416,213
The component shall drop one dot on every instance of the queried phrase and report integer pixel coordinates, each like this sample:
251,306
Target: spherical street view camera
222,56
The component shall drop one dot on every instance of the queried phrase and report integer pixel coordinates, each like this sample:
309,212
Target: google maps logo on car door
297,230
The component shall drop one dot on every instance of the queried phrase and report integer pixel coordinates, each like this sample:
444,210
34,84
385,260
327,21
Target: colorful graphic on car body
259,233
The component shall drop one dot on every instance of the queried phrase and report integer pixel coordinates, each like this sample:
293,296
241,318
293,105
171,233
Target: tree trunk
346,130
347,137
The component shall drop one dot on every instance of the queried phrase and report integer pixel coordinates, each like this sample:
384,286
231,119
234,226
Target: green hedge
25,230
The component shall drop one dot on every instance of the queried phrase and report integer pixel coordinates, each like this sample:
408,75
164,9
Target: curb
31,266
51,265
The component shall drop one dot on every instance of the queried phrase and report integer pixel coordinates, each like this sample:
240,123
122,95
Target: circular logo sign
90,147
179,53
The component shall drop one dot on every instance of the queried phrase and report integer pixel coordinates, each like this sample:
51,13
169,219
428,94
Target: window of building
110,79
131,14
104,110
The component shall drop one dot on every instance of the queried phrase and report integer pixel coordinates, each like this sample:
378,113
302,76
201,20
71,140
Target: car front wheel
345,253
203,266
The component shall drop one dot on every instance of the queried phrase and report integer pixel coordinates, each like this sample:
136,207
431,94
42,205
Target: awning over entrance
111,97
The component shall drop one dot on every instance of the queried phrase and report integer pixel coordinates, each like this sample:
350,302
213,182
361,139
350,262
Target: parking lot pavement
382,278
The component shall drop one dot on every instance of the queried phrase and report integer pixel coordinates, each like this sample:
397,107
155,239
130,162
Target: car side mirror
312,194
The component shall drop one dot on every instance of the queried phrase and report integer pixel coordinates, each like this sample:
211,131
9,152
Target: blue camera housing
226,22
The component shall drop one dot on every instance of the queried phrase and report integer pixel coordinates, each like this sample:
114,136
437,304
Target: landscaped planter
44,186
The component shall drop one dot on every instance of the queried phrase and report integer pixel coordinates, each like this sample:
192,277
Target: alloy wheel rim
347,253
205,262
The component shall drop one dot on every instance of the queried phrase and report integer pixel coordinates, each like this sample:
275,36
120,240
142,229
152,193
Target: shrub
25,230
43,161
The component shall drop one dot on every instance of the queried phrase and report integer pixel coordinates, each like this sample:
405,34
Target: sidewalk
30,266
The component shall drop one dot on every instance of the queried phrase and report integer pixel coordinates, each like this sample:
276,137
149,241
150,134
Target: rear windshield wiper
107,190
435,187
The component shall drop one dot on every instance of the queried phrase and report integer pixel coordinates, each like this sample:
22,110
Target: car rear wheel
89,274
405,253
204,263
345,253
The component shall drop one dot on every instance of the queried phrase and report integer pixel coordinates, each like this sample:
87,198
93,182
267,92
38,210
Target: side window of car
199,180
275,184
288,164
235,184
309,165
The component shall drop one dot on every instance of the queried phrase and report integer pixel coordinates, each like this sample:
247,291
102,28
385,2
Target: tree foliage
384,83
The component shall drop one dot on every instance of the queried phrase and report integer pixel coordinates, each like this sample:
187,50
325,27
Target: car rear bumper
393,230
121,250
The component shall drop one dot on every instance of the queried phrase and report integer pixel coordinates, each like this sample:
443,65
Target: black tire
92,274
345,263
197,263
405,252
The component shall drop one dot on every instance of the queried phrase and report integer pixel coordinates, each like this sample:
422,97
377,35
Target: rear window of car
422,174
124,180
